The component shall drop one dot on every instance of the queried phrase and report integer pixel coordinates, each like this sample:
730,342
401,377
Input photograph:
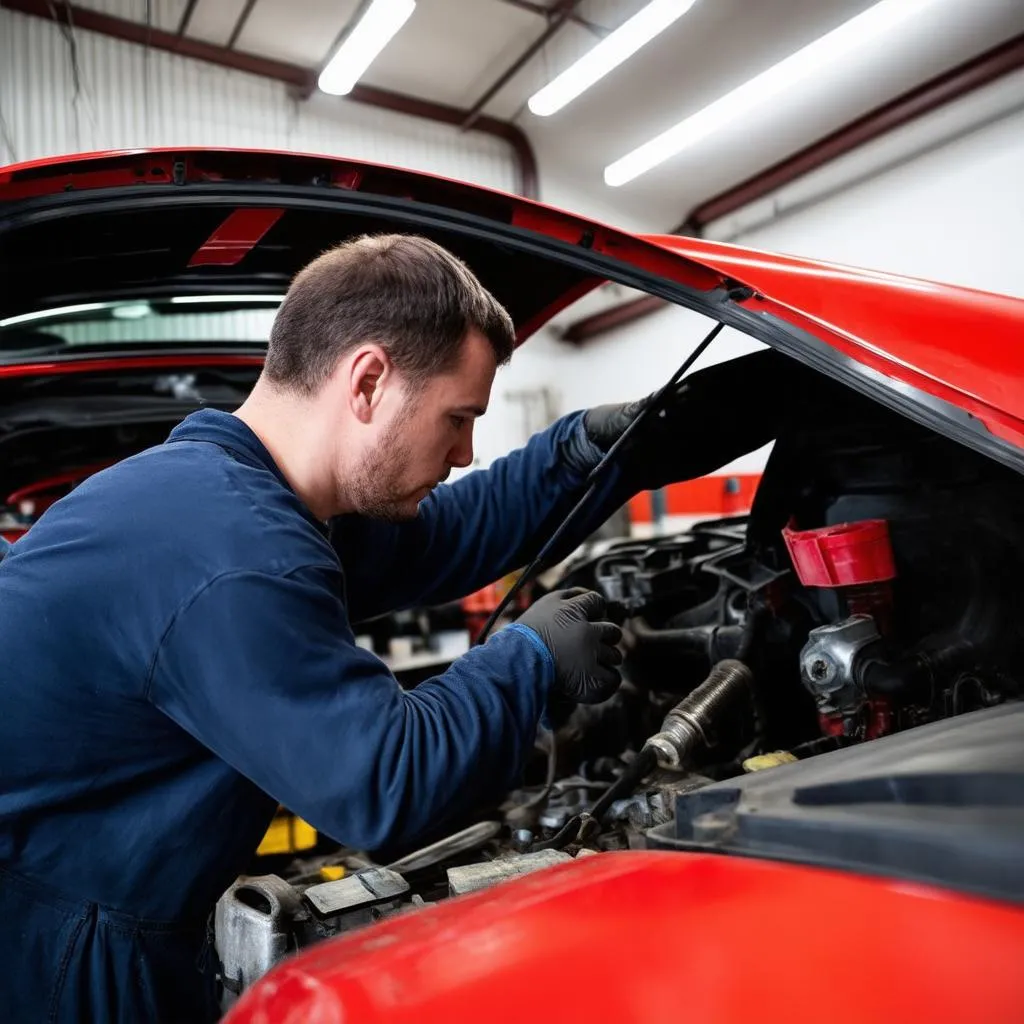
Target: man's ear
369,371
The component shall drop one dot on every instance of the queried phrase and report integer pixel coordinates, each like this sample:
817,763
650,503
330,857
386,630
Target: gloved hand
571,624
710,418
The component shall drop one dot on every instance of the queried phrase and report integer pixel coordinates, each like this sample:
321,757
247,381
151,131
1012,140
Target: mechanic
178,654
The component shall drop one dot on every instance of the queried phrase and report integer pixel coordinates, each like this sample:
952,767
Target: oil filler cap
845,555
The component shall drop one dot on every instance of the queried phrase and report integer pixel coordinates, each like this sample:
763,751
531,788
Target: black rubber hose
576,828
921,671
696,638
625,785
709,643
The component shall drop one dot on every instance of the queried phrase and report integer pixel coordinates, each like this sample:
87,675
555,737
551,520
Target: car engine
868,592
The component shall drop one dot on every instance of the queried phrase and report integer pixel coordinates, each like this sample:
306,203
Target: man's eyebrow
474,409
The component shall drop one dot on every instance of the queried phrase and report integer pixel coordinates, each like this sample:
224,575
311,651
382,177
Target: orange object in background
712,496
479,605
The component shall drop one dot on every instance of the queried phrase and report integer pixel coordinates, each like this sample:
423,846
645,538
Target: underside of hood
204,222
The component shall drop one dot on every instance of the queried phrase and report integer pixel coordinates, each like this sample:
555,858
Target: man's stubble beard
375,488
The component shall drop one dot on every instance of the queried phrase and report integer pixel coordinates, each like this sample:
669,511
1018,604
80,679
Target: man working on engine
178,654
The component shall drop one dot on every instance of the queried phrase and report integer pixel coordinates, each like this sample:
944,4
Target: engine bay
868,595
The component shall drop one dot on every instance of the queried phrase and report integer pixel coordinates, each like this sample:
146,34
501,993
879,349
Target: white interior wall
940,198
131,98
626,363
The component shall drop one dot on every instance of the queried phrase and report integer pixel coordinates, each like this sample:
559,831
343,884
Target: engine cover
943,803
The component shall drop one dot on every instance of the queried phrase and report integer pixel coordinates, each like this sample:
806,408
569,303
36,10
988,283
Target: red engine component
848,555
478,606
855,559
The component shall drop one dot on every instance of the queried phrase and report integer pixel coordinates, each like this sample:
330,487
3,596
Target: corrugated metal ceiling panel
165,14
451,52
214,22
275,29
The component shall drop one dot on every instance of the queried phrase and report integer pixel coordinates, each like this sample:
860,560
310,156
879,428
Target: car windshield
188,320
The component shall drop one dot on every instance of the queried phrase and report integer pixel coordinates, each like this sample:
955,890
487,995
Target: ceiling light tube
608,55
240,300
52,314
361,47
852,37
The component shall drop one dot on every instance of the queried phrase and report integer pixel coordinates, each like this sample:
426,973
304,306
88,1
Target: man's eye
458,422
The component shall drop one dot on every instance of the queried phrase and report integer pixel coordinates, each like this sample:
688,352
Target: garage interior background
911,159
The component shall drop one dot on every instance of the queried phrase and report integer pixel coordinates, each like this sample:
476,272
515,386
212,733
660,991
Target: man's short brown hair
406,293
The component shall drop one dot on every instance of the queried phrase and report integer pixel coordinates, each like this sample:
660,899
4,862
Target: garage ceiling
452,51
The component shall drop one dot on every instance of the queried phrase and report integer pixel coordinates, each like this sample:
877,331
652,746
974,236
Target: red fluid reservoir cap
843,555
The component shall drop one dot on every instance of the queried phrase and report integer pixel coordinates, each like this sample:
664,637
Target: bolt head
522,840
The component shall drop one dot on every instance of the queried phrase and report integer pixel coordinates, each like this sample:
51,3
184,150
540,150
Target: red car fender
645,938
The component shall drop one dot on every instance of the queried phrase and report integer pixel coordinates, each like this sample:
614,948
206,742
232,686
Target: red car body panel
644,938
101,365
958,344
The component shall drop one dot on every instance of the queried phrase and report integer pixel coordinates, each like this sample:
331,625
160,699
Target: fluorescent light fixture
239,300
608,54
765,89
131,311
361,47
52,314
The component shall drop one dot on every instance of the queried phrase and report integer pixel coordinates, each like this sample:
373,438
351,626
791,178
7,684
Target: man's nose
461,455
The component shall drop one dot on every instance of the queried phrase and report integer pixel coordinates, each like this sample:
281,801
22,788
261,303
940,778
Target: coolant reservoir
847,555
853,558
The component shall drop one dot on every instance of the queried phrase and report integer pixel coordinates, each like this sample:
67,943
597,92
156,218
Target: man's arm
489,523
255,668
472,532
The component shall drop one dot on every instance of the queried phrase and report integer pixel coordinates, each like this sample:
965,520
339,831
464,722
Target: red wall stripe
719,495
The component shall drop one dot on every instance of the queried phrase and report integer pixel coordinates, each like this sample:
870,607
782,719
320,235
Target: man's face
425,432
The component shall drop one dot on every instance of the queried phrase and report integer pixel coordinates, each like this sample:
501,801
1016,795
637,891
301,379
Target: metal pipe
546,12
468,839
690,725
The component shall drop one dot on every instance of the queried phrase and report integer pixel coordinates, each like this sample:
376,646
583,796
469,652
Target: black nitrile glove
571,624
710,418
606,423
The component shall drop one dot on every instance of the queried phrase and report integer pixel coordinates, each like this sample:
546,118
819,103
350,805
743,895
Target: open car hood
173,222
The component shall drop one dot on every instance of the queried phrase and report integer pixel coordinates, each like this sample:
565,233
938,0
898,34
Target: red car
807,800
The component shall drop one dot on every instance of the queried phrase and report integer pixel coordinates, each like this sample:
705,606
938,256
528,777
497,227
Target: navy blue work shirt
177,659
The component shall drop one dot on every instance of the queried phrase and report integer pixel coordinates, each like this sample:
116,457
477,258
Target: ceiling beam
544,11
243,17
560,14
186,16
615,316
301,79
